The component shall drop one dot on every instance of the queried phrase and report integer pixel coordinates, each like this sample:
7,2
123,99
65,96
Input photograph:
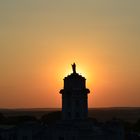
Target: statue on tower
74,67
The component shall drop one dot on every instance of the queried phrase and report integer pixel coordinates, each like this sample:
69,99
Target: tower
74,97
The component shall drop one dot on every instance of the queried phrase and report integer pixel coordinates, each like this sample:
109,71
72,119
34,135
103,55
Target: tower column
74,97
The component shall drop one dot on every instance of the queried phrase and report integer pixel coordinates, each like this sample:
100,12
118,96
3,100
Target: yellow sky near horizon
40,39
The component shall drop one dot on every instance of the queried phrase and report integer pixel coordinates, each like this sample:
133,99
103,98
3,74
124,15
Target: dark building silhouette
74,124
74,97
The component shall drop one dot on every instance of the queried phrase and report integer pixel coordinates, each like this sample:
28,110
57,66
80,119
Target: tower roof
74,75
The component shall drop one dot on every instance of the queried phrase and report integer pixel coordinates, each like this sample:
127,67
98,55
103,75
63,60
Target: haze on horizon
40,39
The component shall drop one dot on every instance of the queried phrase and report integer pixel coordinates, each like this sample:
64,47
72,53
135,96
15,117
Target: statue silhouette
74,67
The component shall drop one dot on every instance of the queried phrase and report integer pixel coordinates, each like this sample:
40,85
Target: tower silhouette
74,97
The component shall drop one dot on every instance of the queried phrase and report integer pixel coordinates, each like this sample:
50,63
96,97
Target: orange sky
39,40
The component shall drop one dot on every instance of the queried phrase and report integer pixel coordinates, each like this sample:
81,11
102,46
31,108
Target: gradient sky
40,39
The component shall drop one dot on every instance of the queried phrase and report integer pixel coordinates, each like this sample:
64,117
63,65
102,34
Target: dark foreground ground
101,114
128,118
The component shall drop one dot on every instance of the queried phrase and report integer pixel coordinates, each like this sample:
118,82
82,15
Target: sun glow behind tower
39,39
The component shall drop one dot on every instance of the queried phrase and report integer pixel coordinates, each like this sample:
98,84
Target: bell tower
74,97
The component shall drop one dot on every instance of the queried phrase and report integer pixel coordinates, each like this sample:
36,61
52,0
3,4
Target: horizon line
49,108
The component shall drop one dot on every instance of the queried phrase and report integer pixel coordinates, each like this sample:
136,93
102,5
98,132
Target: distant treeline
48,118
54,116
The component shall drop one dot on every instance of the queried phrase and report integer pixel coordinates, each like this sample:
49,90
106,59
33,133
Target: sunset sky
40,39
